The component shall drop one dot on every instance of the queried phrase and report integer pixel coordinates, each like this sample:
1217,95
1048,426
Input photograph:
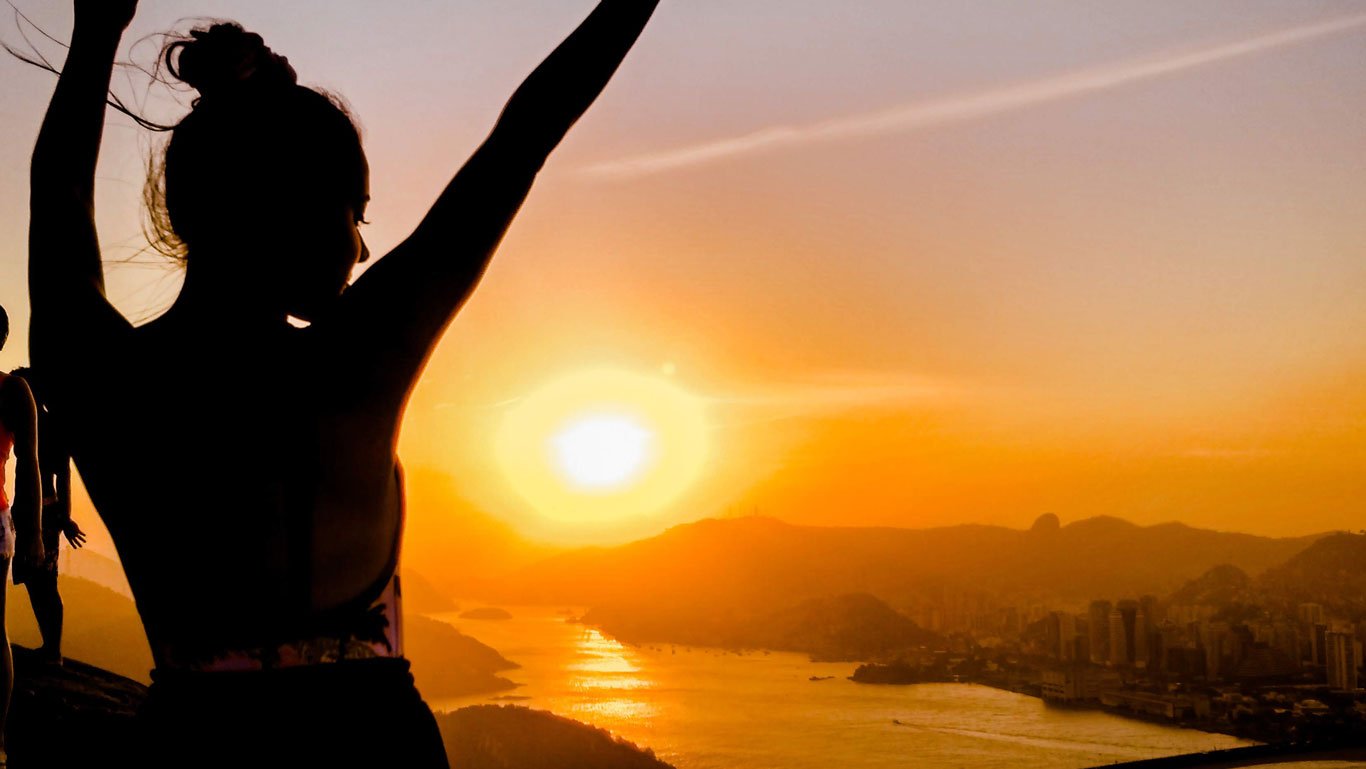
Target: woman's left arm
393,315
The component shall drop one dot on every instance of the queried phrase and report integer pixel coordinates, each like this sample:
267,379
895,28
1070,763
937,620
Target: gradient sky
931,262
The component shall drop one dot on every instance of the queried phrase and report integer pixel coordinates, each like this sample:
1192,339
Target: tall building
1052,632
1067,636
1123,625
1213,637
1152,610
1318,639
1341,653
1098,621
1142,633
1311,614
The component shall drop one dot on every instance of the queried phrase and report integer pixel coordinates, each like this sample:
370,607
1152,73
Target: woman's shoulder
14,389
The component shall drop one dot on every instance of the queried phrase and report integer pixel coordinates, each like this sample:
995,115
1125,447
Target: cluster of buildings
1143,640
1246,669
1282,676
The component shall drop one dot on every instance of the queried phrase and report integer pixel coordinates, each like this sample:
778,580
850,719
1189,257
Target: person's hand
30,549
105,15
73,533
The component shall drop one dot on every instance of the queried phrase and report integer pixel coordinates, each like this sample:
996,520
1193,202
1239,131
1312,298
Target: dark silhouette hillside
514,737
79,716
103,629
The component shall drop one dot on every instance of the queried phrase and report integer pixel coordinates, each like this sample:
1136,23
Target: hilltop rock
1048,522
68,716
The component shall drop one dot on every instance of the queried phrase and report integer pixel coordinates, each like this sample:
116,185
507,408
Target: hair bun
225,56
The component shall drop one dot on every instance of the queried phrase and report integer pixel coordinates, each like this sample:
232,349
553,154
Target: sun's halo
603,445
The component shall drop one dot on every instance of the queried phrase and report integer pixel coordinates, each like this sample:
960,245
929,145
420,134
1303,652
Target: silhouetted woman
54,478
259,517
19,434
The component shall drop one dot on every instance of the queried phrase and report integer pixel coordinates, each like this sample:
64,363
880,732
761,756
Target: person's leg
41,581
48,611
6,659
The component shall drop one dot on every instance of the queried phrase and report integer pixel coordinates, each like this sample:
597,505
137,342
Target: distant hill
761,561
102,627
1221,585
448,663
1331,572
453,544
514,737
852,627
421,596
88,564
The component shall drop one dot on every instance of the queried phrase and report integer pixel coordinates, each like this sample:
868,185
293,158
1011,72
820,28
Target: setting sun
603,451
603,445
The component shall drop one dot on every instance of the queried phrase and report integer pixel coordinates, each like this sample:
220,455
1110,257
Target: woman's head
4,327
261,165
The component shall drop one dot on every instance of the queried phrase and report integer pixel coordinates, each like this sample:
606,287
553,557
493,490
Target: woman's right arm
71,316
19,413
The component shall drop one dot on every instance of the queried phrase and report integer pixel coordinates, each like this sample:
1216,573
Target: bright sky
927,263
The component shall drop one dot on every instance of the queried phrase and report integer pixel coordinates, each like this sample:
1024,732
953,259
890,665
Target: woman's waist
374,670
297,692
372,631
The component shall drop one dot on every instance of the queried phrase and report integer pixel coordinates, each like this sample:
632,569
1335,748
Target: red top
6,445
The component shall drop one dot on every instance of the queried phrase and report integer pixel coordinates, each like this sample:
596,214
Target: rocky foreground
75,715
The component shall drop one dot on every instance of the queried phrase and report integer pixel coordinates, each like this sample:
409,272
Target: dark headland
79,715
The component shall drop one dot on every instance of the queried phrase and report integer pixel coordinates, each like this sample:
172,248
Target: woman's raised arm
71,316
393,315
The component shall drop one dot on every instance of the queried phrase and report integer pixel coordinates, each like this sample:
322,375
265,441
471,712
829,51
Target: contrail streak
954,109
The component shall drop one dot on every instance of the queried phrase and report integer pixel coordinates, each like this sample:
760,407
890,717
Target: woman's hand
73,533
112,16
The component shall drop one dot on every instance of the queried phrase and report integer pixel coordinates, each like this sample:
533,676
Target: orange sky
1142,298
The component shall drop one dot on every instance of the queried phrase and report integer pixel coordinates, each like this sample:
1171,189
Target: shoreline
1197,726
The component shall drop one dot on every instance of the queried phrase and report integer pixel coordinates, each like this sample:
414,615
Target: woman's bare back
272,495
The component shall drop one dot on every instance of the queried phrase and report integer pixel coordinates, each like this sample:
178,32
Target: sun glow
603,445
603,451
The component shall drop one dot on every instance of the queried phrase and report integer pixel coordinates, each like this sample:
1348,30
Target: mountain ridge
761,559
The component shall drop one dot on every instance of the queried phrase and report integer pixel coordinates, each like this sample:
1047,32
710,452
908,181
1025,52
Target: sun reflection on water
613,710
603,663
596,653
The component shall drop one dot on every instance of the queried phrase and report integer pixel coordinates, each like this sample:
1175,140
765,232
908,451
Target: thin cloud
831,393
1217,453
955,109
